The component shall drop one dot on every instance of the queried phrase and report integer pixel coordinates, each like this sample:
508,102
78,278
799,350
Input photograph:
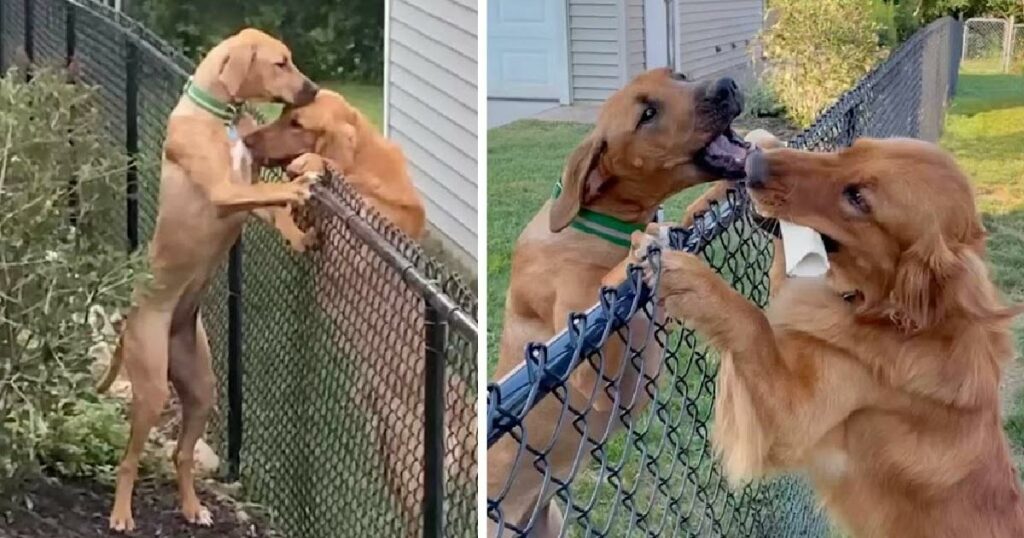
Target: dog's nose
307,93
756,168
726,93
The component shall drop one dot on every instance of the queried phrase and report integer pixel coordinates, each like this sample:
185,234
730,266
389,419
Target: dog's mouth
725,155
770,226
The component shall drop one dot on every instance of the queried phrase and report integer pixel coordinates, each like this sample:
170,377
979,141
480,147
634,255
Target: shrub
818,50
55,276
761,102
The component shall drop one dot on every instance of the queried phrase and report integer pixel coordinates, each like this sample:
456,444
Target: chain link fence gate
656,475
347,376
988,44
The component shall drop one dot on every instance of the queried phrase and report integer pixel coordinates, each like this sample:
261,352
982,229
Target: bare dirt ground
51,508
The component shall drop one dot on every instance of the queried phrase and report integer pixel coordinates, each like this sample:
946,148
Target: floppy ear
582,181
236,66
919,295
339,144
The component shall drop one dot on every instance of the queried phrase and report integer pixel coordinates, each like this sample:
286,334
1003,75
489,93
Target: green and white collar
226,112
612,229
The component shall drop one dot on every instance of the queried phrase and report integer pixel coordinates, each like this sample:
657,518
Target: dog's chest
241,159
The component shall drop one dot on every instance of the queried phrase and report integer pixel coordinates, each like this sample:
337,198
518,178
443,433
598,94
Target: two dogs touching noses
207,191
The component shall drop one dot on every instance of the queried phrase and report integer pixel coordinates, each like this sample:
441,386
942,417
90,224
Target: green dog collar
614,230
225,112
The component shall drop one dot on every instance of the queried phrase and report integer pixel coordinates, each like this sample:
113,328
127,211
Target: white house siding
596,48
636,60
432,109
715,36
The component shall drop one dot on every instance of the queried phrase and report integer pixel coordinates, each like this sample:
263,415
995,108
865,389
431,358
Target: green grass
367,98
985,131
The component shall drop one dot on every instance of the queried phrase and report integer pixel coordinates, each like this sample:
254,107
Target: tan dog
329,132
880,380
206,193
655,137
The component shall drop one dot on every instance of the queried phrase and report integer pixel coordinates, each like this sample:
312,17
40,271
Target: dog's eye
295,123
648,115
283,63
855,196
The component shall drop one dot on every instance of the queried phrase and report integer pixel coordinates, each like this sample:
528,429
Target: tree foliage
330,39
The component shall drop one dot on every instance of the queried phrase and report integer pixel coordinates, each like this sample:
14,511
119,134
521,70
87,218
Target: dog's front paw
307,163
300,188
687,286
309,240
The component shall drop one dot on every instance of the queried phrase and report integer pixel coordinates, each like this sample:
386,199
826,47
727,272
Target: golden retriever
879,380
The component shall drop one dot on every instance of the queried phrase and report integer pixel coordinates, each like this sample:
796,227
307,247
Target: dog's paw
300,188
198,516
305,242
121,522
305,164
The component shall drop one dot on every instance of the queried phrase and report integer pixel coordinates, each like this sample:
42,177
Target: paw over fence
347,376
656,475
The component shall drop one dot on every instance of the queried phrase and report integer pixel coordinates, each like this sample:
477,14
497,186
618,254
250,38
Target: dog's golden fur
330,132
880,380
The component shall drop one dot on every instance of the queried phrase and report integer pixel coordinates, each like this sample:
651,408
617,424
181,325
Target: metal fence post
131,114
235,362
69,54
433,422
29,40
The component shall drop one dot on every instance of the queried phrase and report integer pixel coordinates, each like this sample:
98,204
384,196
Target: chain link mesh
985,42
334,344
654,474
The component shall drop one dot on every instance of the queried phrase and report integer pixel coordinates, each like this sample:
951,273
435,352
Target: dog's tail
115,362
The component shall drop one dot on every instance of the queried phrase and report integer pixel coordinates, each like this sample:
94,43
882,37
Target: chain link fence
639,430
347,376
991,45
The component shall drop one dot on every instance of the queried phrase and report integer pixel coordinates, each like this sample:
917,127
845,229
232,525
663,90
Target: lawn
985,131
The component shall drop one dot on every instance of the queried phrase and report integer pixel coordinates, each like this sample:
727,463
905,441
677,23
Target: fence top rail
140,35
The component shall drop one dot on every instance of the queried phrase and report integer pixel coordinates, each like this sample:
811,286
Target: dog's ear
919,294
582,181
235,67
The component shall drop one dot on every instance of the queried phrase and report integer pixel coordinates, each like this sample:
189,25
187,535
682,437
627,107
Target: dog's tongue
723,147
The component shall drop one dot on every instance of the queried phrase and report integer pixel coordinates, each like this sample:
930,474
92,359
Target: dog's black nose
307,93
756,169
725,93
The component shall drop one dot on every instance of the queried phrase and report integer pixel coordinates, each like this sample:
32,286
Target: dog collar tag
233,133
804,249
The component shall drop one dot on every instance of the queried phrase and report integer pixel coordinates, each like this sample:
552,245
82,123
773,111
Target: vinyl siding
432,109
636,60
596,48
715,36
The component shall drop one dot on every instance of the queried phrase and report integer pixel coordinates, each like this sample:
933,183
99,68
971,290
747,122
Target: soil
46,507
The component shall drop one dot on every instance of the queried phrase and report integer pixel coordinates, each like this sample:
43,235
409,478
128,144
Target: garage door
526,49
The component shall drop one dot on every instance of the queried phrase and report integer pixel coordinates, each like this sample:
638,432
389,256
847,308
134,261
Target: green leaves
56,161
818,50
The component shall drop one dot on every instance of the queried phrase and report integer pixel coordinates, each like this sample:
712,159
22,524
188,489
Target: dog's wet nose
307,93
756,169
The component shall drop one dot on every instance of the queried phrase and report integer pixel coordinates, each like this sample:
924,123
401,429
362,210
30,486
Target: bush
818,50
761,102
330,39
56,277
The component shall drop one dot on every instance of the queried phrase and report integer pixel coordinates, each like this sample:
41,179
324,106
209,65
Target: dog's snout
307,93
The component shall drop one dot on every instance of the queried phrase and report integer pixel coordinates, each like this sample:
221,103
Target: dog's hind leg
191,371
145,358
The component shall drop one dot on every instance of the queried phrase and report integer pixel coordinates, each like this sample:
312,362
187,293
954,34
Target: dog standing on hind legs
206,193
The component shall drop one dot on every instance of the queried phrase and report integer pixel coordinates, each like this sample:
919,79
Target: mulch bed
51,508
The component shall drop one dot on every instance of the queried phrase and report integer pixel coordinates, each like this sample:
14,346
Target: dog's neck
210,101
612,221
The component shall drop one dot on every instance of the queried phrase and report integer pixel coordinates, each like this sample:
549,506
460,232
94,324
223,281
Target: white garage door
526,49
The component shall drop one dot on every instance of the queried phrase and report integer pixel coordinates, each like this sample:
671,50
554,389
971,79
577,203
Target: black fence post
69,56
235,362
3,33
29,38
131,113
433,418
